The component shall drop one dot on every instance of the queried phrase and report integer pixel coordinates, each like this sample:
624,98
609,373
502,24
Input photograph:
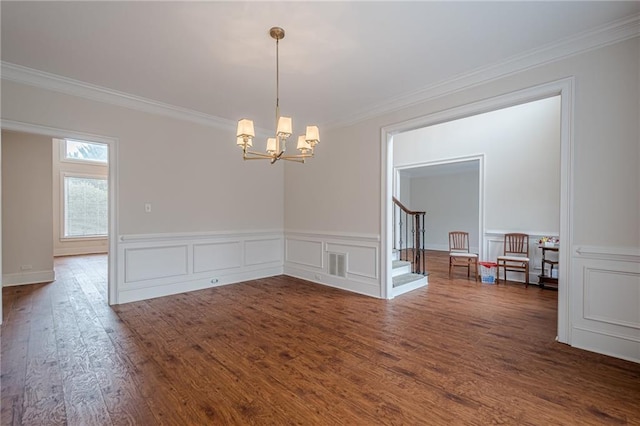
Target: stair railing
408,236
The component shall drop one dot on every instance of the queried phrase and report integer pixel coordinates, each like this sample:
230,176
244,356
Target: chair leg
450,267
476,268
526,278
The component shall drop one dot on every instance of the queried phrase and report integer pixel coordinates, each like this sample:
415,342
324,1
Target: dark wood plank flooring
284,351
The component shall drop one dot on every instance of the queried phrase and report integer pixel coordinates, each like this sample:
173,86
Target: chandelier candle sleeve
276,146
271,145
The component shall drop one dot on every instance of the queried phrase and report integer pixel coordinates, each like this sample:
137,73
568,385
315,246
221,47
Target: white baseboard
30,277
77,251
179,286
354,286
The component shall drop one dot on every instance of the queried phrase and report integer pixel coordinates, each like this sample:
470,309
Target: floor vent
338,264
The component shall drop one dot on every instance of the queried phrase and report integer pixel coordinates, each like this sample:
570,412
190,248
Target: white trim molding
69,86
307,253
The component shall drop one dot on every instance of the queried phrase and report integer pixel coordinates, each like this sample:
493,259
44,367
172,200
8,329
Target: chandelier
276,146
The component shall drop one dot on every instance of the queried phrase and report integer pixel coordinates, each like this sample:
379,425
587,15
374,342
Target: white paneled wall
307,255
604,311
160,265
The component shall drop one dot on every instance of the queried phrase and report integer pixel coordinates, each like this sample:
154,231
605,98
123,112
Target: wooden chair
515,256
459,253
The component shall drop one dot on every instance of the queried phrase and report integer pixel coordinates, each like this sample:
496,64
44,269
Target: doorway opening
88,187
563,89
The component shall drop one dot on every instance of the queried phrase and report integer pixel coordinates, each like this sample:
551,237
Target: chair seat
469,255
514,258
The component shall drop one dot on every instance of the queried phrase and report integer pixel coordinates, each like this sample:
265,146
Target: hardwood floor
284,351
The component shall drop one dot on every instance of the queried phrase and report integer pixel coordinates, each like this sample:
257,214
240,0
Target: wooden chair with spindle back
515,256
459,254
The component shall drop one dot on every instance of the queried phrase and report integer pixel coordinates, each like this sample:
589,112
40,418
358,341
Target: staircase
403,279
409,263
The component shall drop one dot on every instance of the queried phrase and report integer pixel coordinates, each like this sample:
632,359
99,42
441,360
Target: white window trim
62,206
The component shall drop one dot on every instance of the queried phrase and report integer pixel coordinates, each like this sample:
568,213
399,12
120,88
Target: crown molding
69,86
612,33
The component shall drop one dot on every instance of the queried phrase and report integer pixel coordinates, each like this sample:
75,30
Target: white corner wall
26,209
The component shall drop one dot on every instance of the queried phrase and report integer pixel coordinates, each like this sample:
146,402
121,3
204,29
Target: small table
548,278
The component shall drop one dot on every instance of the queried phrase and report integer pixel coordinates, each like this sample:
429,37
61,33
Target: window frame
65,159
64,175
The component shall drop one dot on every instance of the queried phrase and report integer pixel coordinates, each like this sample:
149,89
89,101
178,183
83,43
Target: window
74,150
85,207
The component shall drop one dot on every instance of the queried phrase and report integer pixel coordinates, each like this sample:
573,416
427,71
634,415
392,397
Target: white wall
451,202
62,246
521,146
26,209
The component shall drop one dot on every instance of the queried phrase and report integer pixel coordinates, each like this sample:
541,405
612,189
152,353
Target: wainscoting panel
155,262
260,252
216,256
304,252
164,264
363,260
306,257
605,301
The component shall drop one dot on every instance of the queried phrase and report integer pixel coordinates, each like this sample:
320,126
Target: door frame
564,88
112,143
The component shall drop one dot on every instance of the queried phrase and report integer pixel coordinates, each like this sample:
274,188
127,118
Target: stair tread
399,264
406,279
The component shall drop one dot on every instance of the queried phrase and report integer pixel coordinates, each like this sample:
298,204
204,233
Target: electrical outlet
147,207
26,267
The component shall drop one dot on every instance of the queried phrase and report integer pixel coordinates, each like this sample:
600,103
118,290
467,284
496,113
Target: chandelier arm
297,156
295,160
258,155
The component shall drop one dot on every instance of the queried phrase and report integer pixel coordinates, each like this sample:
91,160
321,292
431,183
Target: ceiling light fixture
276,146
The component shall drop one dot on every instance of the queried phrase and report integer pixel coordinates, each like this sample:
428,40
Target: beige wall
341,189
192,174
26,208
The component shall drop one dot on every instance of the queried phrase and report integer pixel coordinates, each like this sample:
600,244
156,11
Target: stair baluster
413,253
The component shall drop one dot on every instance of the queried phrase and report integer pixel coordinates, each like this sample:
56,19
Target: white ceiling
337,61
